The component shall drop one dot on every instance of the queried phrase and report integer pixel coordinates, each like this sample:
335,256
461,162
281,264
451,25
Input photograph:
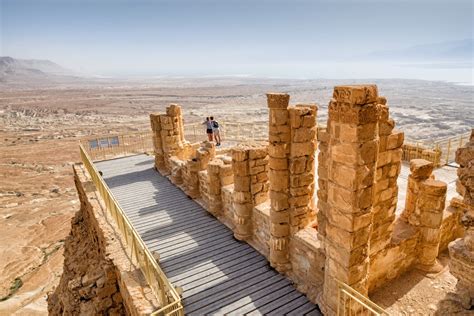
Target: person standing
209,130
216,131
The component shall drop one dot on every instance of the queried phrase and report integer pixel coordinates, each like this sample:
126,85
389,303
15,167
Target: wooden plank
268,308
214,273
212,265
244,293
222,284
203,252
299,301
213,279
198,243
218,273
183,237
226,254
259,303
303,309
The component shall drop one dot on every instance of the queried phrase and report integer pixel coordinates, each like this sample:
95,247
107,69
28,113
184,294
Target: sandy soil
40,127
418,293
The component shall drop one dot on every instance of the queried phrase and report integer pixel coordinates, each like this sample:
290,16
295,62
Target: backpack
215,124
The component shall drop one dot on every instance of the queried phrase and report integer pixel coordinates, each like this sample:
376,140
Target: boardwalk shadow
217,273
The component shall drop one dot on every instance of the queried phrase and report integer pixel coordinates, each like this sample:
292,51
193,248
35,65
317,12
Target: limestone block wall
322,204
397,258
98,277
423,230
261,228
352,152
168,139
307,261
465,183
388,168
157,142
461,250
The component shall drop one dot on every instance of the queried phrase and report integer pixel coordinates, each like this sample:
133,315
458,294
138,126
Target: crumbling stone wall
322,204
168,140
352,152
385,188
98,277
461,250
191,167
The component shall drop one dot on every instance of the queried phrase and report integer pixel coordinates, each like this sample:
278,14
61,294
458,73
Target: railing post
448,151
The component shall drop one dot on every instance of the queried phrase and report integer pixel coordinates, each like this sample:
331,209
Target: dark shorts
209,130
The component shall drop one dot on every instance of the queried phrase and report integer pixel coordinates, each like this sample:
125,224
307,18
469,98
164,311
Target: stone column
323,138
249,165
214,203
301,165
171,133
386,188
353,149
278,151
157,142
190,173
429,208
420,170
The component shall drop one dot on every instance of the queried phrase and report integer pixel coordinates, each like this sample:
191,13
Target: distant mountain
12,69
460,50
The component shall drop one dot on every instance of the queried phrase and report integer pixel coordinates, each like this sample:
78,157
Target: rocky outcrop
98,277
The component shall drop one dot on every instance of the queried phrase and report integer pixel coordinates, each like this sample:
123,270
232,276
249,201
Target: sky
226,37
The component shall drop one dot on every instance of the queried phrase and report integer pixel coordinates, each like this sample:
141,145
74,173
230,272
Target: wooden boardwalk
219,275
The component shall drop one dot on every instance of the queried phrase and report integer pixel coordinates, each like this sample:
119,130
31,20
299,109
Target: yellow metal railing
449,145
166,294
351,302
111,146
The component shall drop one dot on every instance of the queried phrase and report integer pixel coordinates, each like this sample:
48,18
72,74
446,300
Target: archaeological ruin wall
348,231
461,250
98,276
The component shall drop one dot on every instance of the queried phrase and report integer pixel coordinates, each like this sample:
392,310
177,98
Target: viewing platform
218,274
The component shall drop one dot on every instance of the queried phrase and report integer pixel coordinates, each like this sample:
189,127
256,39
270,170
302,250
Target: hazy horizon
298,39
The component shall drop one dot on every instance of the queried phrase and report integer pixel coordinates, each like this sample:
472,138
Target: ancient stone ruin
349,232
462,249
317,221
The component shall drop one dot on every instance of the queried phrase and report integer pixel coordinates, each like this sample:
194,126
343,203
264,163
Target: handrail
347,294
166,294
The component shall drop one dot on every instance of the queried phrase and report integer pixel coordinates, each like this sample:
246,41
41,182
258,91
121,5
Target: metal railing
351,302
112,146
230,131
449,145
441,152
167,295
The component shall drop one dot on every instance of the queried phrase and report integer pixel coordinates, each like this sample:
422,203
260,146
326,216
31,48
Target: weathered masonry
317,206
350,233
